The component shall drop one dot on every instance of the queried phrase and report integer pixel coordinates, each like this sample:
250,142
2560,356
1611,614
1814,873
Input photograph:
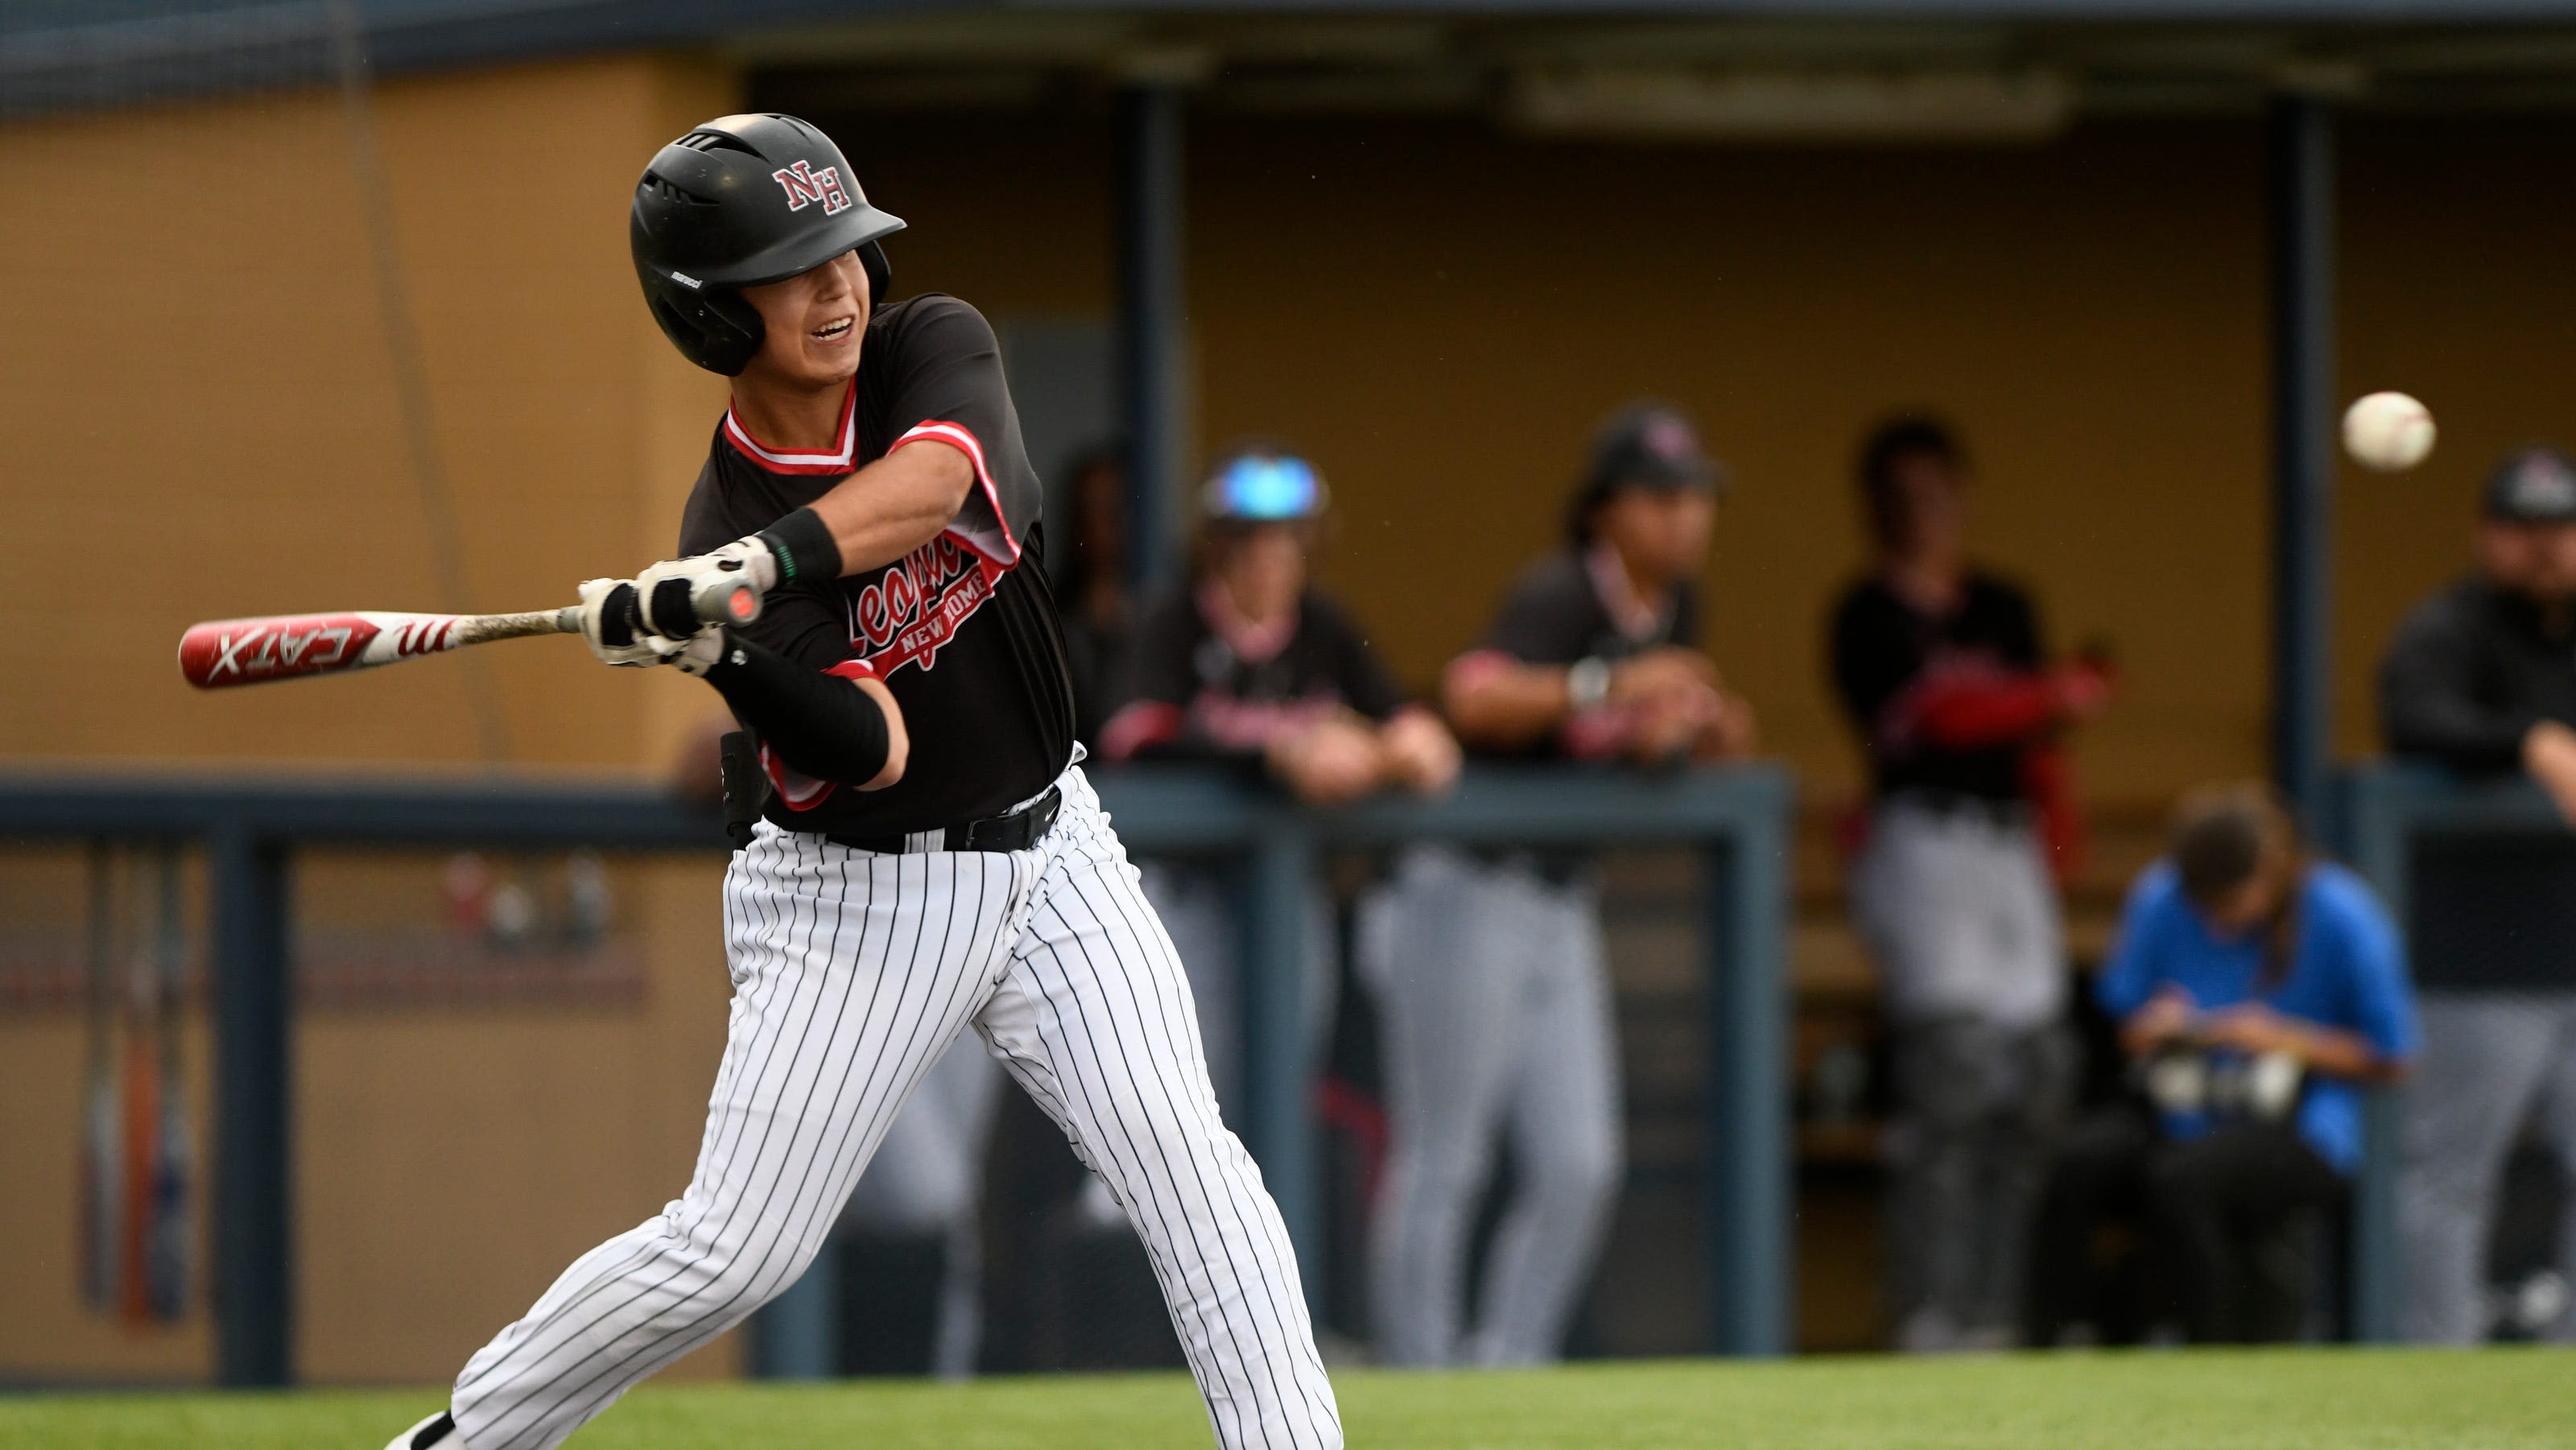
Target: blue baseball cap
1260,487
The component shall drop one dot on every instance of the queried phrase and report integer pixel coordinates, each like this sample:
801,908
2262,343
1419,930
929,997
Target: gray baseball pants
1497,1019
2491,1060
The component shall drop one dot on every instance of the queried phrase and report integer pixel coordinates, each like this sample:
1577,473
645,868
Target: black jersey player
869,477
1250,663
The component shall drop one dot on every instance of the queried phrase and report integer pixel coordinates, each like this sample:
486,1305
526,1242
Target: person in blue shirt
2257,992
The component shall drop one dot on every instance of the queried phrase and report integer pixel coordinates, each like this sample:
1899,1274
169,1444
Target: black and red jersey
1571,606
1209,683
962,630
1890,656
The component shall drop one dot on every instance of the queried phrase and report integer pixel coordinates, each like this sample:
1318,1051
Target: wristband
1587,682
804,547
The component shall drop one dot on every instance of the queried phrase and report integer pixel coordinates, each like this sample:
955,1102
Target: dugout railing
2382,817
251,830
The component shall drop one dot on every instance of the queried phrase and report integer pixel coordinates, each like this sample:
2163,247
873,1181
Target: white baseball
2387,432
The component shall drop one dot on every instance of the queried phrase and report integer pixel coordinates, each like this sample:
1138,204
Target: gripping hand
612,623
681,596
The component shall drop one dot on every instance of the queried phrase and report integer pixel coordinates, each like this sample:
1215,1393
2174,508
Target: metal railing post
254,1264
2301,136
1278,1118
1152,331
1746,1159
797,1336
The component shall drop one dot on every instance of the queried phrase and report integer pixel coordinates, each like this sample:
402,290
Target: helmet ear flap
872,259
717,330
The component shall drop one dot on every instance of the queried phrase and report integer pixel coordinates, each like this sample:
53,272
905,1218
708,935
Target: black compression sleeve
804,547
823,725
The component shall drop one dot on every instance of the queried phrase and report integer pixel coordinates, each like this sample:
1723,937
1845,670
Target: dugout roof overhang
1674,66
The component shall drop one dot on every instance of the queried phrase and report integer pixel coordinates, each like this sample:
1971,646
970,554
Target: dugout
1431,247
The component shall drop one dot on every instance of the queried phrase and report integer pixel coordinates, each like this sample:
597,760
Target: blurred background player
1940,667
1495,993
2257,990
1092,596
2482,678
1247,663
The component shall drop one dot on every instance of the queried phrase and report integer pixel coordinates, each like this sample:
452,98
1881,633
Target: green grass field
2267,1400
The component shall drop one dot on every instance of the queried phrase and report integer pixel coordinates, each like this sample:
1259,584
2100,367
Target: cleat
438,1432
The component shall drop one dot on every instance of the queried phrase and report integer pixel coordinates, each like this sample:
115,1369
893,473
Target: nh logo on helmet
805,184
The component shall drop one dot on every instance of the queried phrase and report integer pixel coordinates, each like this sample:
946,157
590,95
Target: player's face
2553,569
813,324
1265,570
1662,534
2253,901
1930,505
2510,555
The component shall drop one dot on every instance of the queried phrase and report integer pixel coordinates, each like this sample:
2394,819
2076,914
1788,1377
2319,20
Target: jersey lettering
916,606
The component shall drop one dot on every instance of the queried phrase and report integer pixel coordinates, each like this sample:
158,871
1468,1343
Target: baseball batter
929,856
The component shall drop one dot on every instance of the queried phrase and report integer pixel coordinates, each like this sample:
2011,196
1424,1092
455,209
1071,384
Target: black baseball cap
2532,486
1651,446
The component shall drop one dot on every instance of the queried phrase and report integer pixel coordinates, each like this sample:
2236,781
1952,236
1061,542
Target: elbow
898,753
1476,711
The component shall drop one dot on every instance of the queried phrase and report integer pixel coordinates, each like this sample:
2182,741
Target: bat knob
726,601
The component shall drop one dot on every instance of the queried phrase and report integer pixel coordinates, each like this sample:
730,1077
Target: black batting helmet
740,201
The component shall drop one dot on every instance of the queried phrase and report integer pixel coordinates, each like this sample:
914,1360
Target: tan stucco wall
214,420
214,408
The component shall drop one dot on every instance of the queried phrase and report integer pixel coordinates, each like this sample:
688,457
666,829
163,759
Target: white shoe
438,1432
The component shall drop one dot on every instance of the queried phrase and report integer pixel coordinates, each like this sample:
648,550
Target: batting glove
745,560
694,656
611,623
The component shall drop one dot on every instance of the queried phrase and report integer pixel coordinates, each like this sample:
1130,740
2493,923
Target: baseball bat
223,653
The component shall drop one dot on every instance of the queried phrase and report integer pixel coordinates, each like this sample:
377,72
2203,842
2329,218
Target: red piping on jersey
962,438
854,670
1139,725
842,459
804,794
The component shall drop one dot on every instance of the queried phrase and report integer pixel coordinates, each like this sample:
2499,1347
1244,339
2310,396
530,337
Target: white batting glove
609,624
695,655
747,559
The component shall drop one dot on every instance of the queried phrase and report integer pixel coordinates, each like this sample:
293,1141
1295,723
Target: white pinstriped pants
852,971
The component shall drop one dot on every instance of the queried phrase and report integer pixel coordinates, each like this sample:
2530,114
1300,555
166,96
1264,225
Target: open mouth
833,331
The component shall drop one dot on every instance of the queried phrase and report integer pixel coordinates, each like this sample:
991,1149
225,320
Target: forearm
2341,1052
896,504
830,727
1496,701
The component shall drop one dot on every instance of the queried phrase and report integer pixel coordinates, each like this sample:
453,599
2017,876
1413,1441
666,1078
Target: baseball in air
2388,432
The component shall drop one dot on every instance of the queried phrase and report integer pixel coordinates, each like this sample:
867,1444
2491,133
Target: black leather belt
1016,831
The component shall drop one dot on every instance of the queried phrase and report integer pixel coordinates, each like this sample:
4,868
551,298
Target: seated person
2257,991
